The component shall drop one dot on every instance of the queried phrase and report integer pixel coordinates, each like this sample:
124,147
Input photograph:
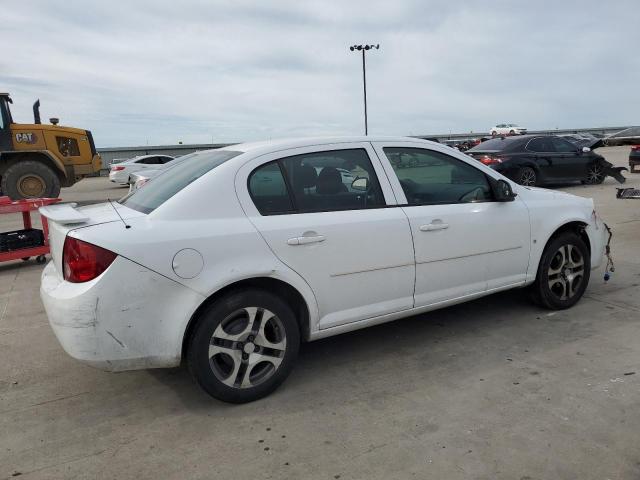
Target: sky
143,72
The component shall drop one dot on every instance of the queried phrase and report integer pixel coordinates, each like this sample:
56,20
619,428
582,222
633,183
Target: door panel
467,245
359,262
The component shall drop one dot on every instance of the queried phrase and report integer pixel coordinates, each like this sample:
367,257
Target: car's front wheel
243,346
595,174
563,272
527,176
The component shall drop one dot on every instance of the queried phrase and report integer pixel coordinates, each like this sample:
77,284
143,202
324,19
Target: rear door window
541,144
316,182
562,146
324,181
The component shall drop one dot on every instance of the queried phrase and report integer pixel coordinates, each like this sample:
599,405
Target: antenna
118,213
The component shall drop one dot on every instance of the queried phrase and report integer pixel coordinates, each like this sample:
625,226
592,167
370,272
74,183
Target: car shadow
490,325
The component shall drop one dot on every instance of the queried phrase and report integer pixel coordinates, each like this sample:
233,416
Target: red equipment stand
26,207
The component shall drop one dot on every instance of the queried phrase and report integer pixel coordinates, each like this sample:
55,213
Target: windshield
175,178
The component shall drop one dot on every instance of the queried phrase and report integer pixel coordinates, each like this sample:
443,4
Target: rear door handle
434,226
305,240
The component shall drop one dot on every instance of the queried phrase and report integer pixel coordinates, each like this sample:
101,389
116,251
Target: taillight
82,261
489,160
635,148
117,168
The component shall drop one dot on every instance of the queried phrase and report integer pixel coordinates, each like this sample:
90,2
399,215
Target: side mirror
502,191
586,149
360,184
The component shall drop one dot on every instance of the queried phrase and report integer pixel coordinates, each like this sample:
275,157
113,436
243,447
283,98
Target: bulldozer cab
5,122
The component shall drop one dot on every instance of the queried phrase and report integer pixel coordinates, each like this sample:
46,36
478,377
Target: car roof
271,146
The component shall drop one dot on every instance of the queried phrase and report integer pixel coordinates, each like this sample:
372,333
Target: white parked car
243,252
119,172
507,129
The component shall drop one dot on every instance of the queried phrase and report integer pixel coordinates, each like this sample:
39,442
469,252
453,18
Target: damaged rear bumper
128,318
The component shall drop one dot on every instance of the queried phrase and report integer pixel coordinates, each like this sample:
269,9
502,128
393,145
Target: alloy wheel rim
247,347
566,272
528,178
594,174
31,185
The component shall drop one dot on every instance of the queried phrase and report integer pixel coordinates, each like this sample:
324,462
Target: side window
153,161
428,177
268,190
165,159
68,147
562,145
540,144
333,180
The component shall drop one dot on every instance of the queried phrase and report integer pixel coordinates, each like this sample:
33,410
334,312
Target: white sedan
119,172
507,129
240,254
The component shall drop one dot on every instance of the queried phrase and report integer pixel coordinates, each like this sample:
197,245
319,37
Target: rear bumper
128,318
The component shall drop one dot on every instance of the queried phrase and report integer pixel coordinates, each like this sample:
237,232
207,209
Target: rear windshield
175,178
493,145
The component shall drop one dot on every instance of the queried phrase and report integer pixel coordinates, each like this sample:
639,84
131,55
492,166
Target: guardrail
556,131
113,153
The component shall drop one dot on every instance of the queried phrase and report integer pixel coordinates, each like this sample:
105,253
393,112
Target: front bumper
120,177
128,318
597,233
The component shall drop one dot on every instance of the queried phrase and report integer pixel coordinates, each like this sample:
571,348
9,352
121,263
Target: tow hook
610,267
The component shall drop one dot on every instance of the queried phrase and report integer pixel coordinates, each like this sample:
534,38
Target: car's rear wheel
527,176
244,346
512,132
595,174
563,272
494,133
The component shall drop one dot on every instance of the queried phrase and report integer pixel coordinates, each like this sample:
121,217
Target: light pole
363,49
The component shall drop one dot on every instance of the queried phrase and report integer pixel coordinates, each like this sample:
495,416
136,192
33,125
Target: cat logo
27,137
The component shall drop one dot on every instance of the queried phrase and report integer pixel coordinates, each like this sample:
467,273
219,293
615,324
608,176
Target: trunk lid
63,218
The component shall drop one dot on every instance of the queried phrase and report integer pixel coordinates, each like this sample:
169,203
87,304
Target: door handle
305,240
435,225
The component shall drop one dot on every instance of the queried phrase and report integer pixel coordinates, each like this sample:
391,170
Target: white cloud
158,72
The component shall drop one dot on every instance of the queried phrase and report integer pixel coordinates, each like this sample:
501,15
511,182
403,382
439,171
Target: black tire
30,179
41,259
221,375
512,132
595,174
494,133
547,288
527,176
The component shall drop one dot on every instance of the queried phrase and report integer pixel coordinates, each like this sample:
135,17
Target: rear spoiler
63,214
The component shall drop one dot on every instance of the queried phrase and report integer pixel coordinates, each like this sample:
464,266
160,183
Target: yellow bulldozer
36,160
